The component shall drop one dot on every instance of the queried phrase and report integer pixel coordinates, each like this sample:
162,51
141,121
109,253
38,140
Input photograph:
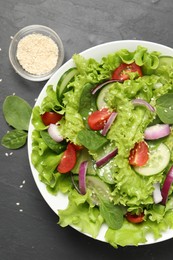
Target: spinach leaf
53,145
91,140
14,139
164,108
112,214
87,101
17,112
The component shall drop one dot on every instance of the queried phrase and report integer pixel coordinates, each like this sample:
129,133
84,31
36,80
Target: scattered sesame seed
6,154
11,37
0,49
21,210
14,94
24,182
0,80
17,203
11,153
21,186
166,110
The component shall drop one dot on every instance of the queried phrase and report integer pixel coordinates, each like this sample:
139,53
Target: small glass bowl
30,30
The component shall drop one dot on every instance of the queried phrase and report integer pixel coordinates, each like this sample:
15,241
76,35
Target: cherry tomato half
51,118
98,118
122,72
139,155
134,218
68,159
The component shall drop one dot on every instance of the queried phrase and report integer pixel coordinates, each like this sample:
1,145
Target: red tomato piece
68,159
98,118
51,118
78,147
122,72
134,218
139,155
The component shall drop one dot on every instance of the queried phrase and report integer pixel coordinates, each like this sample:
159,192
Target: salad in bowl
101,138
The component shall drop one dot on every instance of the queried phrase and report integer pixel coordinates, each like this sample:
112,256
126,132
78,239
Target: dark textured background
33,233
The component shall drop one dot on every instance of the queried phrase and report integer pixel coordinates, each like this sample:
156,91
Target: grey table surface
28,227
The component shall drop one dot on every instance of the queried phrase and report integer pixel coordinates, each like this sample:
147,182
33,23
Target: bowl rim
29,30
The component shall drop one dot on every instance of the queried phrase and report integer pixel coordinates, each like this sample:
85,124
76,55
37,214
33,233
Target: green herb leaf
17,112
87,100
164,108
14,139
91,140
56,147
112,214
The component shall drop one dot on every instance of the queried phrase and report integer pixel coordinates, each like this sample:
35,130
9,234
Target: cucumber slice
64,81
165,63
97,188
84,156
101,99
158,160
165,60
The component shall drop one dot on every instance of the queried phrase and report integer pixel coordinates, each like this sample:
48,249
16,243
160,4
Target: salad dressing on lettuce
110,181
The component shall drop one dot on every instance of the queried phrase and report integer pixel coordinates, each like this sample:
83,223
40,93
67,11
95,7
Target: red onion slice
142,102
105,159
82,177
109,123
157,196
103,84
167,185
55,133
157,131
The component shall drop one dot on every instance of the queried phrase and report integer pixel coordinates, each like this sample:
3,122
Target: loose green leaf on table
17,112
14,139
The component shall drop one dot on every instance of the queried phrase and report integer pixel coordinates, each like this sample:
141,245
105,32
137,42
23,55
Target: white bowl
60,201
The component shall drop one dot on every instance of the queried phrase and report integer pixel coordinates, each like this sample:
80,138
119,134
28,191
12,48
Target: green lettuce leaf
128,234
80,215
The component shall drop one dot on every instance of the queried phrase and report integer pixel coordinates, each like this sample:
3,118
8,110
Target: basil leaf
17,112
112,214
87,100
91,140
53,145
14,139
164,108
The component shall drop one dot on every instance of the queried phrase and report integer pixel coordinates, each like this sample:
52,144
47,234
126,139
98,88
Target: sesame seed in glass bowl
36,52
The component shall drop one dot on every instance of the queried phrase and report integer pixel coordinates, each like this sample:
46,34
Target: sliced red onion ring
55,133
82,177
103,84
157,131
105,159
109,123
142,102
167,185
157,196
